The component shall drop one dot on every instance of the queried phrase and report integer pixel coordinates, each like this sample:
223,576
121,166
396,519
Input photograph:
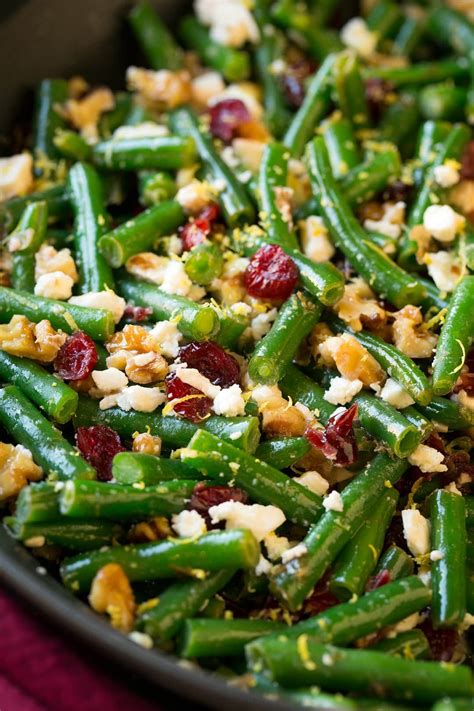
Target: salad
236,347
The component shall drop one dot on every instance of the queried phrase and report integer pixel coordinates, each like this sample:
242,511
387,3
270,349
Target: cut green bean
448,27
408,645
56,199
222,638
38,502
282,452
154,38
204,263
388,425
384,19
370,177
395,562
273,177
77,535
448,413
72,145
50,93
135,467
349,88
31,232
344,154
155,187
422,72
443,101
157,153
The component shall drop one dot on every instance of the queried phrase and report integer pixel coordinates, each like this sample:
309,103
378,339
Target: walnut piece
147,443
161,89
146,368
38,341
358,306
17,468
408,335
85,113
352,360
155,529
48,260
282,420
133,338
111,593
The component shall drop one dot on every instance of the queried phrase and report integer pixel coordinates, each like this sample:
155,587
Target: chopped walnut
282,420
147,443
284,204
352,360
156,529
132,338
38,341
48,260
409,335
148,266
77,87
359,306
111,593
230,287
370,211
461,196
422,237
85,113
320,333
254,130
118,359
146,368
17,468
161,89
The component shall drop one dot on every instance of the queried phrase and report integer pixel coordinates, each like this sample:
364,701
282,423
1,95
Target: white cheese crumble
427,459
206,86
445,269
442,222
109,380
463,399
393,393
147,129
136,397
314,482
416,529
276,545
16,175
264,566
356,35
175,279
315,241
341,391
260,520
446,175
107,300
453,489
436,555
333,502
261,324
294,552
168,337
188,524
192,376
231,22
54,285
142,639
229,402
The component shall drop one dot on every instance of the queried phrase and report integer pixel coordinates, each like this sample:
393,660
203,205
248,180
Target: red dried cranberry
467,162
466,380
321,598
293,80
77,358
376,92
271,274
442,641
194,232
226,117
337,440
210,212
398,191
378,581
212,361
99,445
195,408
204,497
137,314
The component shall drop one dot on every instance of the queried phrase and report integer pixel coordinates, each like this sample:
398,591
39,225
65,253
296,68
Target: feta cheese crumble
356,35
313,481
188,524
109,380
107,300
260,520
446,175
393,393
341,391
333,502
416,529
229,402
442,222
168,337
54,285
427,459
294,552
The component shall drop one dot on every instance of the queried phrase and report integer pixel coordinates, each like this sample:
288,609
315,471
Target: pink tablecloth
42,671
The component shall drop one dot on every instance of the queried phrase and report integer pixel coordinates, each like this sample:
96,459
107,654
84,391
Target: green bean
49,393
155,188
233,198
384,19
97,323
213,551
90,223
387,424
27,426
305,29
400,122
38,502
423,425
136,467
409,36
111,120
431,134
344,154
374,266
222,638
443,101
292,582
275,351
78,535
433,298
204,263
448,413
357,560
470,589
140,233
196,321
408,645
448,27
370,177
282,452
469,503
154,38
349,87
158,153
71,145
272,176
233,64
448,538
299,662
50,93
312,110
422,72
120,502
456,337
31,229
397,364
243,432
181,600
453,705
264,484
56,199
301,388
231,328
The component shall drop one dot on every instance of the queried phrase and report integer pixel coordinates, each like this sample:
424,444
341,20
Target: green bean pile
236,347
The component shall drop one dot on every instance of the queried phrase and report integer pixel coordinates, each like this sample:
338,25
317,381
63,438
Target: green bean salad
236,346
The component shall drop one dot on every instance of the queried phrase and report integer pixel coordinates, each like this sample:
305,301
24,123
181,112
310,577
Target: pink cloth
42,671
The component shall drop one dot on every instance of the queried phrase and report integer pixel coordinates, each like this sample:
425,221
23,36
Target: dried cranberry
137,314
321,598
293,81
337,440
195,406
442,641
378,581
467,162
212,361
226,117
203,497
99,445
271,274
210,212
376,92
194,232
77,358
466,380
398,191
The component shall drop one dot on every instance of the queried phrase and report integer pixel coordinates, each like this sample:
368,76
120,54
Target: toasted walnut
48,260
249,152
320,333
156,529
254,130
148,266
17,468
284,204
409,336
160,89
77,87
84,113
352,360
461,196
132,338
422,237
146,368
278,420
370,211
358,305
111,593
25,339
147,443
230,287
